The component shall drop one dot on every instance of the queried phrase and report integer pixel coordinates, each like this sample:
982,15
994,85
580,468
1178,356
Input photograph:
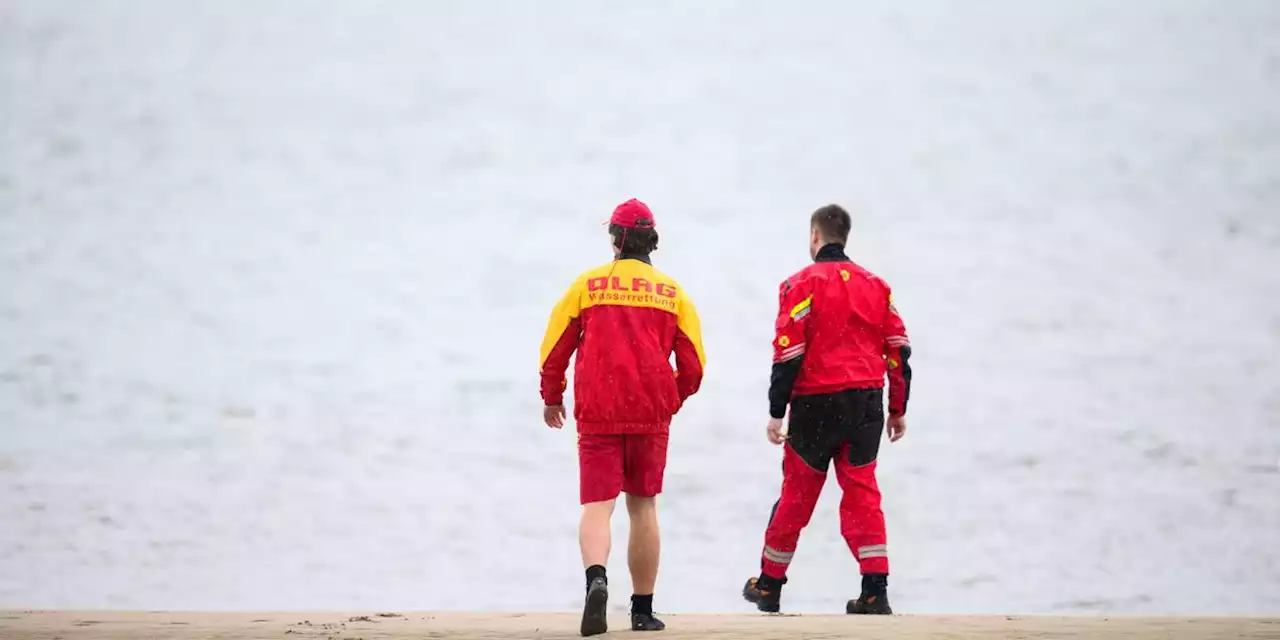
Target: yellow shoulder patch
784,342
802,307
844,274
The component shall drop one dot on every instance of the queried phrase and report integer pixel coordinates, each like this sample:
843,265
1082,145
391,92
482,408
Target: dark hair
833,223
639,242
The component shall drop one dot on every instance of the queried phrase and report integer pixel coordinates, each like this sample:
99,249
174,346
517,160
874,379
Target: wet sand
70,625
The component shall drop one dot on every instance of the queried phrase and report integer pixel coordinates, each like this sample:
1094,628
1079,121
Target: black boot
765,592
646,622
594,611
642,618
875,596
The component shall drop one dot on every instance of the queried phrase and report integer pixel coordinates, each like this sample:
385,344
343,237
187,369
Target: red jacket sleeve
897,349
564,331
791,326
791,334
690,358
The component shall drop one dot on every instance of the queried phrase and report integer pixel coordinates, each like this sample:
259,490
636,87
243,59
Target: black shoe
594,615
646,622
765,593
874,599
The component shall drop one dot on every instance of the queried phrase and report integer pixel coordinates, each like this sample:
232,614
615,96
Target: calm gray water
273,277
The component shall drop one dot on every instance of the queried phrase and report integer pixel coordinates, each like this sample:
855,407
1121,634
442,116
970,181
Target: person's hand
774,431
553,416
896,427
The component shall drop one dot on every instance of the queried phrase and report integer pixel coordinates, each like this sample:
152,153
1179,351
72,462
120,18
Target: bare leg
593,533
645,545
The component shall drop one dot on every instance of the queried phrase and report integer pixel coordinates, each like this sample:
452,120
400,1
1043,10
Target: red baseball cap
633,214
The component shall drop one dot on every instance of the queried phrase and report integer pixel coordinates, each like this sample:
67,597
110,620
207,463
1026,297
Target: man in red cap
838,336
624,319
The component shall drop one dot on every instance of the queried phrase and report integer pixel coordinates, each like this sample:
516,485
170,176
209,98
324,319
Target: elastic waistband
823,389
615,428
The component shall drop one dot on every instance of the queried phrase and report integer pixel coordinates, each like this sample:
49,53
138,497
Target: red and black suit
838,337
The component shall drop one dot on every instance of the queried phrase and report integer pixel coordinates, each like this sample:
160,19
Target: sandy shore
68,625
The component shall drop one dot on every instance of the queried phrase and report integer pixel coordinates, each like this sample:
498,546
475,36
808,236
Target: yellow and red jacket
625,319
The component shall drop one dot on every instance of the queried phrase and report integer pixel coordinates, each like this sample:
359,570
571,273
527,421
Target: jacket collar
635,256
833,252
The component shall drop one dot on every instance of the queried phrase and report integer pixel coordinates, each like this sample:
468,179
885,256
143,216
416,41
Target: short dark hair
639,242
833,223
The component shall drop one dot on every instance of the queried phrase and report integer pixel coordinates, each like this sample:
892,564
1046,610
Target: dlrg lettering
639,285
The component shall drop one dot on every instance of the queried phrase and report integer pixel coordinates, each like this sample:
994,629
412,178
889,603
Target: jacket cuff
552,398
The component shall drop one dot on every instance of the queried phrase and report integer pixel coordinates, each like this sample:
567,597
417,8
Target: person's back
846,327
630,318
625,320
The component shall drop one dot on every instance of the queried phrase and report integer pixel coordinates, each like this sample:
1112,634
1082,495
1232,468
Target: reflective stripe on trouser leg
861,520
801,486
779,557
872,551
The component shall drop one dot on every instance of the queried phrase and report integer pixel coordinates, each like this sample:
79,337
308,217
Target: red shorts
610,464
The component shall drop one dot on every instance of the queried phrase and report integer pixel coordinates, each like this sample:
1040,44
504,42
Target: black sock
642,604
595,571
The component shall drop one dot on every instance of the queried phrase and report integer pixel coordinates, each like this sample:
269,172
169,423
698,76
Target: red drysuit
838,335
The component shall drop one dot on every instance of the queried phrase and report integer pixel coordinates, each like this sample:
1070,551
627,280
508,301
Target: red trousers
804,472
